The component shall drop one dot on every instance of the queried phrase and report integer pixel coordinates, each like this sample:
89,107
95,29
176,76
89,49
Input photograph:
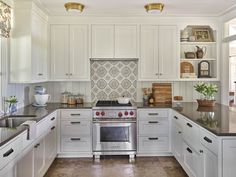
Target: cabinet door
50,146
229,157
191,161
125,41
177,142
25,165
208,163
103,41
39,48
39,158
79,61
149,52
168,52
59,52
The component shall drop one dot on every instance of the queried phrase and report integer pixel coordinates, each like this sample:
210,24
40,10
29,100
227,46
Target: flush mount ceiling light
154,7
74,6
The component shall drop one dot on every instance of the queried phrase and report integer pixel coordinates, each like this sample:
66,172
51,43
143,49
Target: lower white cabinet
153,132
177,141
229,158
209,163
75,133
51,146
191,161
39,157
25,165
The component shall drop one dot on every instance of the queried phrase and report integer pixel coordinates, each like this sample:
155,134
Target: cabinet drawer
76,144
10,151
153,143
177,118
75,127
209,141
52,120
84,114
152,113
153,126
191,134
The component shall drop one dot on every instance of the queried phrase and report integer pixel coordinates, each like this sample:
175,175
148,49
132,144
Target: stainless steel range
114,129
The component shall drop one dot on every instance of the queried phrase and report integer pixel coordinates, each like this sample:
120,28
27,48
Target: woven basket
206,103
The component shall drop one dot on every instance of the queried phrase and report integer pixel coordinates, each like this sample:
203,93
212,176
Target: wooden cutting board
162,92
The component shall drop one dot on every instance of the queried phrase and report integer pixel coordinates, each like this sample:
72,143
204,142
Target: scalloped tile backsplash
112,79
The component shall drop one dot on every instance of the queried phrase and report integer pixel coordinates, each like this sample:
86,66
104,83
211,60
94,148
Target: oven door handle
115,121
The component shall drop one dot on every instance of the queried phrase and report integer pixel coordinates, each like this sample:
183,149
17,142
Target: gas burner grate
110,103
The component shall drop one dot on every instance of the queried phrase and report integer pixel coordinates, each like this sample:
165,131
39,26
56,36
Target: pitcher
200,52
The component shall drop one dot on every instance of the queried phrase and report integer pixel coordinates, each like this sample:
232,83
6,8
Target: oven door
114,136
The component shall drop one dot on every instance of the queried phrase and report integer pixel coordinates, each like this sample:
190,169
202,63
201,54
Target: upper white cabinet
126,41
103,41
114,41
158,57
28,56
69,52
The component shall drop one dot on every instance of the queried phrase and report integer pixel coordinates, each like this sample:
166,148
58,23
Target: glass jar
71,99
64,97
79,99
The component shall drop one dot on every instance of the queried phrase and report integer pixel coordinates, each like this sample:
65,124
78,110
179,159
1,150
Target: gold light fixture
74,6
154,7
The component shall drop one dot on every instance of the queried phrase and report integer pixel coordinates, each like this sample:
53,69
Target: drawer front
70,114
42,127
76,144
153,143
75,127
191,134
209,141
177,118
10,151
152,113
158,126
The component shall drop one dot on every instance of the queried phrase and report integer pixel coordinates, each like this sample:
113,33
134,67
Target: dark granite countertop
37,113
220,119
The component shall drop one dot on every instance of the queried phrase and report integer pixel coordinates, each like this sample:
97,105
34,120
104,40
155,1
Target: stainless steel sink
12,122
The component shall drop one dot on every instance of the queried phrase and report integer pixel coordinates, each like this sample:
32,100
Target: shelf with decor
198,54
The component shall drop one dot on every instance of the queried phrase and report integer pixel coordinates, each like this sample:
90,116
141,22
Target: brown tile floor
111,166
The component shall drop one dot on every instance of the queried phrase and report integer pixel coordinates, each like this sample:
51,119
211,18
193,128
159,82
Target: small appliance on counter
41,97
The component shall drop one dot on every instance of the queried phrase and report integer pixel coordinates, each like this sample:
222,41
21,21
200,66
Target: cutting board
162,92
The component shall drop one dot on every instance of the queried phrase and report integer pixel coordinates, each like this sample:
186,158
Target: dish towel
31,130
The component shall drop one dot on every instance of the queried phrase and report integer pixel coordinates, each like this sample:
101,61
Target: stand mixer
41,97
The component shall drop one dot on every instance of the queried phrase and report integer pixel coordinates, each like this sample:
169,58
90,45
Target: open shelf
196,59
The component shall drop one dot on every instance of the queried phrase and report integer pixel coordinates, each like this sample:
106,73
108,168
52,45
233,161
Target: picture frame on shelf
202,33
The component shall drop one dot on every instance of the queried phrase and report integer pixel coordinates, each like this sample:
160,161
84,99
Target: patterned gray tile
112,79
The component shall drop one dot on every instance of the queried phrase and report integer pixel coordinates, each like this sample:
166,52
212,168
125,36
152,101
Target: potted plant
12,101
207,92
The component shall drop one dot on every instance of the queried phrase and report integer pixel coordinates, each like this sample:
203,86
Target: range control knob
126,113
120,114
97,113
131,113
103,113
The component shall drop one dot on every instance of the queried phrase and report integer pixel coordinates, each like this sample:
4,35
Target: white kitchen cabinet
158,53
114,41
79,59
229,157
25,165
209,163
153,132
75,133
167,45
51,145
177,141
39,158
59,52
103,41
191,161
28,54
126,41
69,52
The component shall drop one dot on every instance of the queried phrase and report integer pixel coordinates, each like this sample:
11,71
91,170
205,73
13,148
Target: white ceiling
136,7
